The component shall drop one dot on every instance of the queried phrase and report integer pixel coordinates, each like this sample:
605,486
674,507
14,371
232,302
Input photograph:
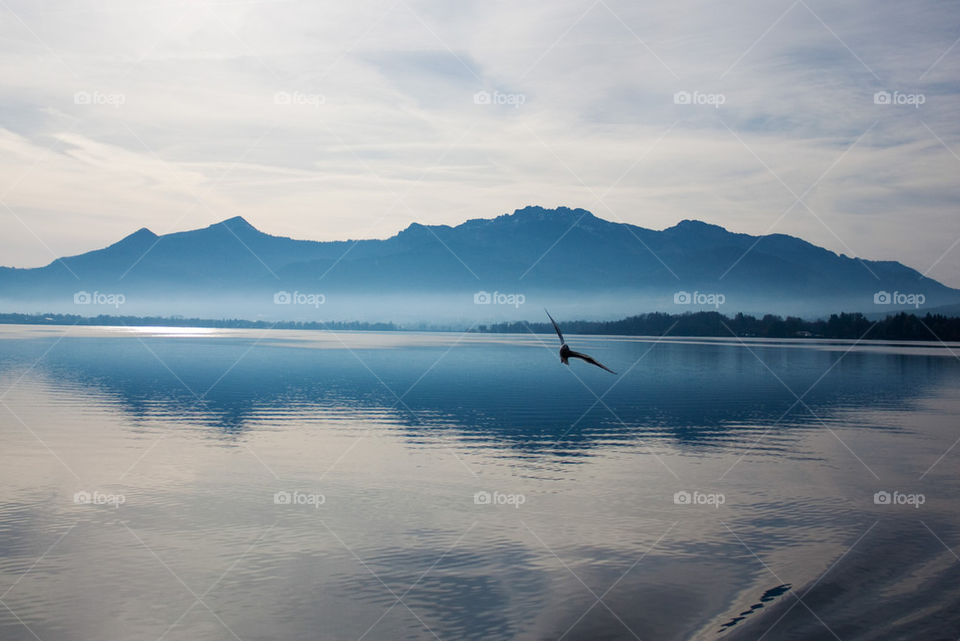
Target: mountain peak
143,232
236,223
419,228
690,224
543,212
139,237
530,218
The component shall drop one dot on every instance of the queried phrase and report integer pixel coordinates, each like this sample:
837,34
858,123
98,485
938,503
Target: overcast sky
352,119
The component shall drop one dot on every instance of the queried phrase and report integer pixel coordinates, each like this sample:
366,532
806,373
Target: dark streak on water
767,597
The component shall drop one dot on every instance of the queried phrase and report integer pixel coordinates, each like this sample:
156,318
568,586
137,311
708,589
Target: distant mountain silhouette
565,251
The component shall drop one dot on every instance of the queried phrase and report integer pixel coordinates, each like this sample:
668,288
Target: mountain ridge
563,252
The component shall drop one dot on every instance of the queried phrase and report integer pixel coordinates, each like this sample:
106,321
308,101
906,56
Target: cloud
376,124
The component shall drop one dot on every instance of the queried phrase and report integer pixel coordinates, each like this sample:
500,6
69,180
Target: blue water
188,442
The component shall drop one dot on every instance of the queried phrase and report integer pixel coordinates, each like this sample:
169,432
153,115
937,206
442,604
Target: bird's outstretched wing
590,360
555,327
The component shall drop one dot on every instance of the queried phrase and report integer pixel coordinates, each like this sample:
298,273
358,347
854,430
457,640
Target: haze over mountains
568,259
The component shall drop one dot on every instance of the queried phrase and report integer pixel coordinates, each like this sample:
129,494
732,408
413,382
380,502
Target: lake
200,484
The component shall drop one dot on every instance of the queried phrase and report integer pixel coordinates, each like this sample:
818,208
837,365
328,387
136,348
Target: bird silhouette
567,353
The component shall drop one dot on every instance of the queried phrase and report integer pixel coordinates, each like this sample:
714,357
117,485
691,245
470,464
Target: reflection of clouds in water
318,420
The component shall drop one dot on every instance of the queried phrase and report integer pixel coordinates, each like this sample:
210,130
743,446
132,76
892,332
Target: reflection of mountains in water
513,395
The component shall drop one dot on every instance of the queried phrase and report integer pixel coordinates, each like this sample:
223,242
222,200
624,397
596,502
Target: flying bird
567,353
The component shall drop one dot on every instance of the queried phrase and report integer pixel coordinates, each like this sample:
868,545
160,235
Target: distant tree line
902,326
177,321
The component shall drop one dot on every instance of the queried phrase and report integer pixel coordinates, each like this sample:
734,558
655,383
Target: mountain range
562,256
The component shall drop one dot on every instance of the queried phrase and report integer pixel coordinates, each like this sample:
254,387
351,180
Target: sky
337,120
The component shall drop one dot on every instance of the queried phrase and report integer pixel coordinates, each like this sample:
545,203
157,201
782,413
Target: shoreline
910,329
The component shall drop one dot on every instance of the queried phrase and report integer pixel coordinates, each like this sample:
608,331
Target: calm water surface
202,485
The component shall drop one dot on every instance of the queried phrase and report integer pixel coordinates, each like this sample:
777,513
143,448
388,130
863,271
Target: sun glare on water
180,332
